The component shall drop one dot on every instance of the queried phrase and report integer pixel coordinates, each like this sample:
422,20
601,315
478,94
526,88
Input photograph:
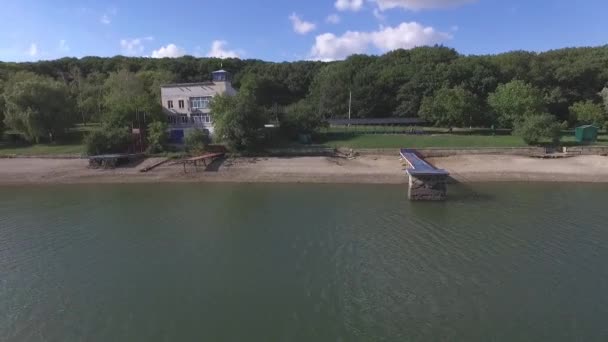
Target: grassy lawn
41,149
437,140
71,144
419,141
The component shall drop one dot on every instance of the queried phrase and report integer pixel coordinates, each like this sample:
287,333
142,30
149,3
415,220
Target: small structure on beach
427,183
111,161
586,134
206,159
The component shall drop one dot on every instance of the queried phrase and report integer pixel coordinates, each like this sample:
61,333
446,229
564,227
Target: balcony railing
196,121
191,124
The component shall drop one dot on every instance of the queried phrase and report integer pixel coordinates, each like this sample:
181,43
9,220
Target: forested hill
394,84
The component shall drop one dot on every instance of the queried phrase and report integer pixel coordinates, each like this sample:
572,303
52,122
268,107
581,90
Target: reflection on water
502,262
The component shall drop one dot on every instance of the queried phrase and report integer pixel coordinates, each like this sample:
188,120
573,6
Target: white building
187,104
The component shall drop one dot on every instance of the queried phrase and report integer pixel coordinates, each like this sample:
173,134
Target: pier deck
427,183
204,158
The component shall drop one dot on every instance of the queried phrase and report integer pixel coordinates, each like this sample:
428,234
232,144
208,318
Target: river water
268,262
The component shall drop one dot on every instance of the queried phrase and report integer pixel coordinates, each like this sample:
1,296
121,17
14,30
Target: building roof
219,71
185,85
377,121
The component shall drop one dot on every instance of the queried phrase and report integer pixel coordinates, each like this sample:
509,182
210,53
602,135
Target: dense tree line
435,83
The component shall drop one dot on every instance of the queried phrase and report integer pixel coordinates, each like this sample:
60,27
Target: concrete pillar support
428,187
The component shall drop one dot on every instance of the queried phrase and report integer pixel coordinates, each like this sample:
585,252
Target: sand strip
363,169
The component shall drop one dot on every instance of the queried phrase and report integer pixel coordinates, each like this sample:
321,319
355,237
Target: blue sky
291,30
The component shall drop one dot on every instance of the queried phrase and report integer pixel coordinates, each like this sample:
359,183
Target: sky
290,30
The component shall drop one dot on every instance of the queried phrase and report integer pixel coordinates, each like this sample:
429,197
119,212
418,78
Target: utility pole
350,101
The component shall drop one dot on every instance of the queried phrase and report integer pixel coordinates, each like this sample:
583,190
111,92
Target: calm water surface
503,262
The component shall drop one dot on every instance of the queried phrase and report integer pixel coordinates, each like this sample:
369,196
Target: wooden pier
206,159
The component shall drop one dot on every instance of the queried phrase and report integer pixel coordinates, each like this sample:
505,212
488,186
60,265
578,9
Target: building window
201,118
200,102
170,104
183,119
181,104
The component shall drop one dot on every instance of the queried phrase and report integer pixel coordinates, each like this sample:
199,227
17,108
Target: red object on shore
194,161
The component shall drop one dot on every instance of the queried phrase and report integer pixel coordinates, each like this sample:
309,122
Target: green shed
587,133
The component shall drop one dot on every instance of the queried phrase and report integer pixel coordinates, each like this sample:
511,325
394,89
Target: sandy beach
363,169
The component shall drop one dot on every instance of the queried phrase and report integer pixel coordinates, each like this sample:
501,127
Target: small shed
587,133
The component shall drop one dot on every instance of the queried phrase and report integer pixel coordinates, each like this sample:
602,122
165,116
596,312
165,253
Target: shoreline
364,169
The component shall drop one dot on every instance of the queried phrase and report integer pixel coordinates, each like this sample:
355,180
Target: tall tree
2,108
451,107
513,101
239,119
93,96
125,96
153,80
77,89
37,106
604,95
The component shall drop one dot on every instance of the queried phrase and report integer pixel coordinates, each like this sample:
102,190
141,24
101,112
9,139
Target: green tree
158,136
1,109
125,95
604,95
90,103
538,127
108,139
301,117
514,101
451,107
37,106
588,112
196,140
238,119
152,80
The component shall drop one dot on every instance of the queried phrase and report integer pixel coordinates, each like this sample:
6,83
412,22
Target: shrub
196,140
535,128
301,118
587,112
108,140
157,137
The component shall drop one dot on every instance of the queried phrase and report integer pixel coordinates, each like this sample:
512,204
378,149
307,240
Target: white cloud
330,47
33,50
416,5
333,19
379,15
105,19
134,47
170,51
218,50
349,5
63,46
300,26
405,36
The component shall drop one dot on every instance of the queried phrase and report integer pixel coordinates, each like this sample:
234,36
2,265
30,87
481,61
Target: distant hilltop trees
435,83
